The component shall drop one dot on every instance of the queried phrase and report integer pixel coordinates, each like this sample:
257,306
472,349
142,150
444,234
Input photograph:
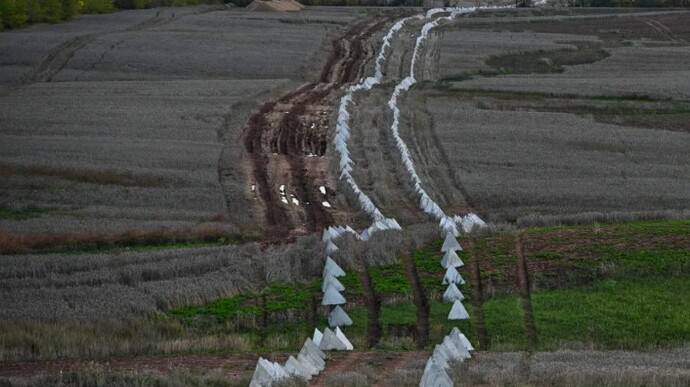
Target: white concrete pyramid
463,352
341,336
330,279
450,259
294,367
332,297
279,372
458,350
458,312
453,277
331,342
310,354
458,336
308,365
332,268
338,317
466,343
328,234
470,222
451,349
452,294
450,244
331,247
313,348
263,374
316,338
435,376
442,356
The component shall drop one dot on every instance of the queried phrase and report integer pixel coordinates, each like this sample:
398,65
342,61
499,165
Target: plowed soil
286,141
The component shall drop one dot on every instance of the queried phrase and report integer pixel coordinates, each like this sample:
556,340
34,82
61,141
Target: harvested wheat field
278,193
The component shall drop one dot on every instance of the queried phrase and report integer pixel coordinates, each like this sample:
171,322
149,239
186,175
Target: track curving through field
285,141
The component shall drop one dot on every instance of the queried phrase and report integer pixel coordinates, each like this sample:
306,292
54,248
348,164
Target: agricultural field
121,123
166,175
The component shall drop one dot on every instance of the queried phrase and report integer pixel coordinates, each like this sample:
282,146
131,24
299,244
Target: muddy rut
285,142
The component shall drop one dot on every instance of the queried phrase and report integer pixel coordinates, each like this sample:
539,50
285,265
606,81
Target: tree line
18,13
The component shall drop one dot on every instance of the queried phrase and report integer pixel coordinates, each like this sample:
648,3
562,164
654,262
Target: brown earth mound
274,6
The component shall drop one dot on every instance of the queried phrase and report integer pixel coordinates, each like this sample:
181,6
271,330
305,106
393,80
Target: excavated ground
286,141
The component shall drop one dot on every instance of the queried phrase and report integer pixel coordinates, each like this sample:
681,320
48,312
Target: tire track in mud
286,139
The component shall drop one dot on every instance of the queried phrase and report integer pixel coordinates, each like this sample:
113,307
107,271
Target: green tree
13,13
53,10
34,11
98,6
70,8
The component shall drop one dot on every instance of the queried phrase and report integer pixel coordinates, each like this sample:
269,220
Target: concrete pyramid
311,355
328,234
440,357
338,318
435,376
341,336
332,268
330,279
452,277
450,244
458,312
451,349
294,367
307,364
311,362
331,247
450,259
263,374
316,338
456,348
466,343
279,372
331,342
452,294
463,352
313,348
332,296
470,222
458,336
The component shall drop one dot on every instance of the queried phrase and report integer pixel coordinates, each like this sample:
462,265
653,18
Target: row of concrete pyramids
311,359
331,288
454,348
451,261
333,232
309,362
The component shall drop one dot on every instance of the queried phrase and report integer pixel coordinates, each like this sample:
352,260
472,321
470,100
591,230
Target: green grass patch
389,280
21,213
630,314
608,293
